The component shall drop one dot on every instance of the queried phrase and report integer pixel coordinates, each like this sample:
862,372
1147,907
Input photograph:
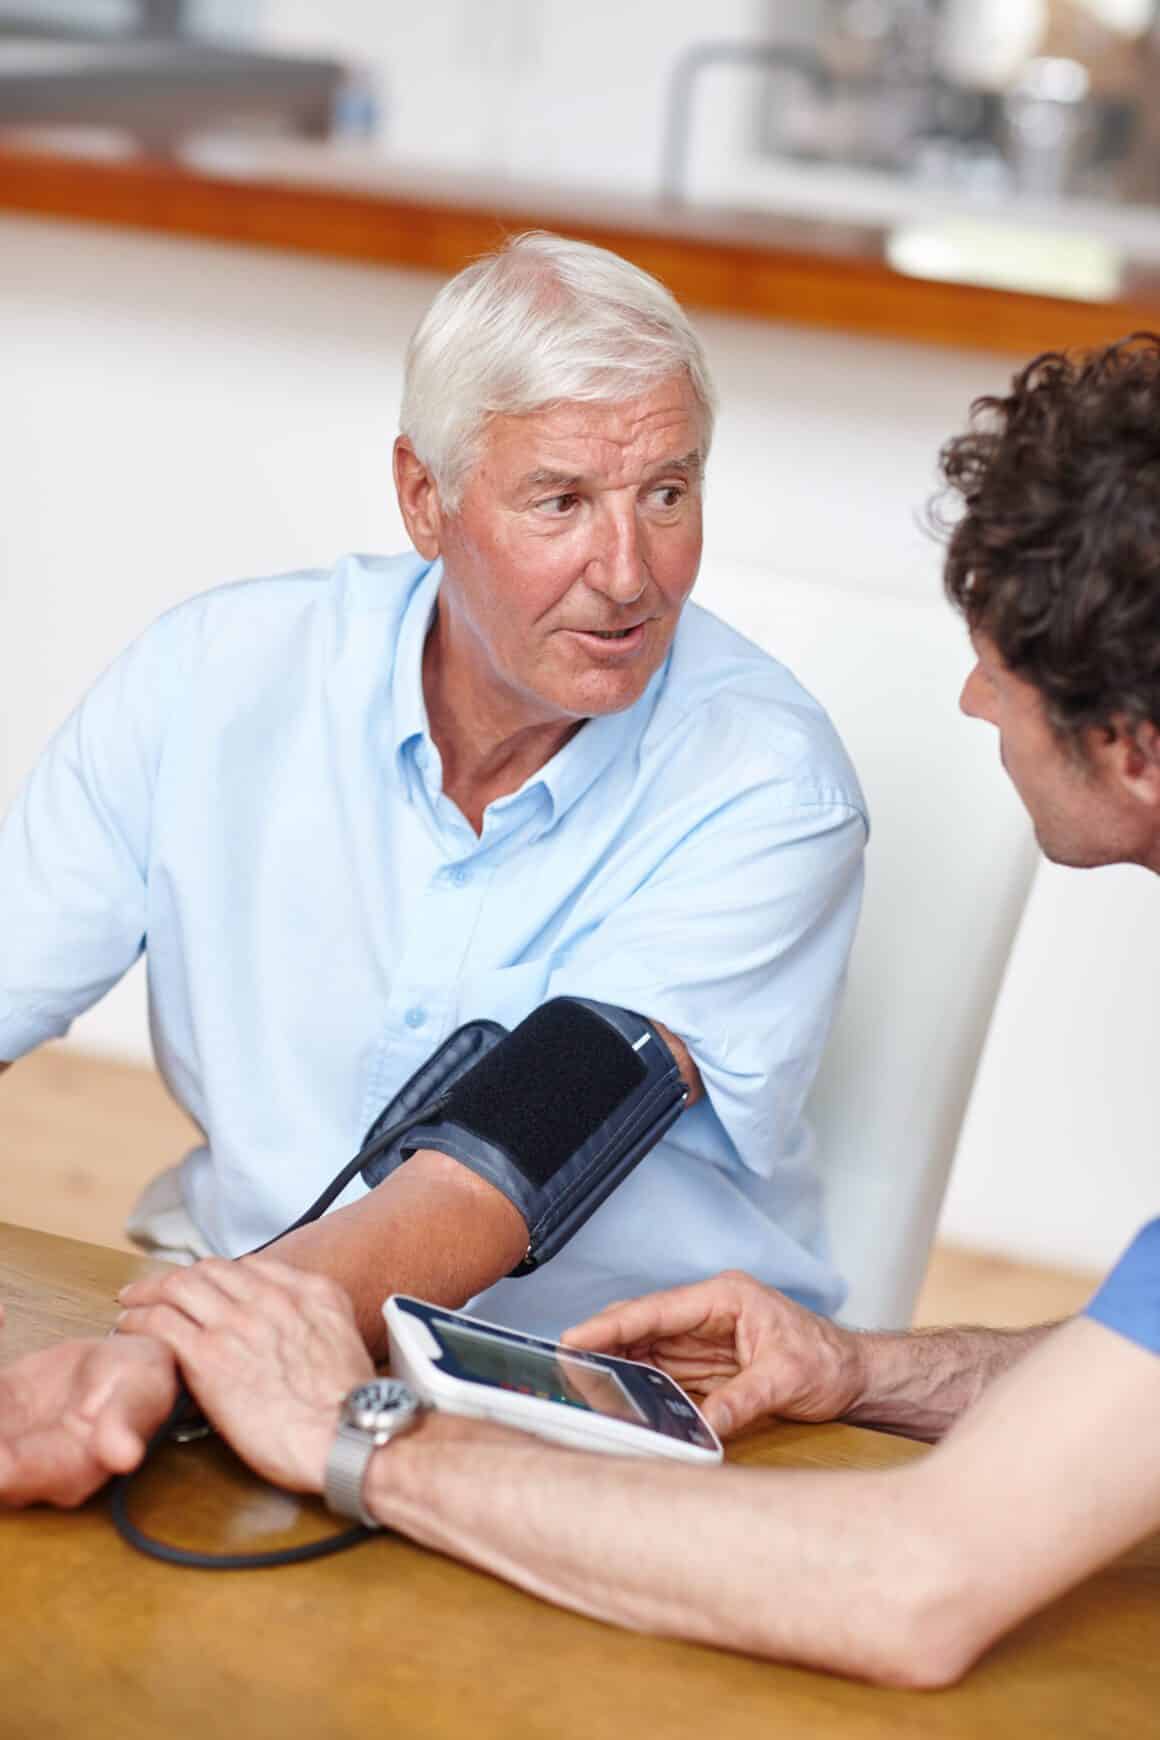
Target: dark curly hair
1055,555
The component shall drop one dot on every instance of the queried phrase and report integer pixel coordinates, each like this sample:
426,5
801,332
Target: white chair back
948,870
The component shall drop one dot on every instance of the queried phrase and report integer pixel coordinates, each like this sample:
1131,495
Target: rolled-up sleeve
74,847
738,943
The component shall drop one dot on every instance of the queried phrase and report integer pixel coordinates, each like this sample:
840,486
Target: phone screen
527,1371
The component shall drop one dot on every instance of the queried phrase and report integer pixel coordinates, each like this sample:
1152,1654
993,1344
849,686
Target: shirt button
415,1017
460,876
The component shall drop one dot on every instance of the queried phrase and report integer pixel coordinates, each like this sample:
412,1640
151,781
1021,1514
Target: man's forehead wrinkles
546,477
595,445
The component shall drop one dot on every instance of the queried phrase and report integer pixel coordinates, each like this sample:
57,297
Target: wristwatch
372,1414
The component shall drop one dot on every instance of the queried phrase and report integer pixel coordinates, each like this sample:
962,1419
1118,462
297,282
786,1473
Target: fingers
205,1286
637,1322
199,1352
80,1412
232,1326
147,1290
596,1325
168,1324
114,1368
207,1292
736,1404
125,1425
211,1295
48,1466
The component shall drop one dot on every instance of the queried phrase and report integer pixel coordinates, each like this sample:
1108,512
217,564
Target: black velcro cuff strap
555,1115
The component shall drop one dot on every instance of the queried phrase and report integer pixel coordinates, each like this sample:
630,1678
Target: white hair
544,319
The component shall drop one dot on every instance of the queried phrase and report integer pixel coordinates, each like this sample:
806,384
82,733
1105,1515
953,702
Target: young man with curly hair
1046,1464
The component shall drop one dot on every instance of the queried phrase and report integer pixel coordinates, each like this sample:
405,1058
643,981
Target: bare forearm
919,1382
825,1570
432,1228
902,1576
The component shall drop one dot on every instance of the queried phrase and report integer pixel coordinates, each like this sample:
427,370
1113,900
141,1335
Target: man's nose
617,567
975,696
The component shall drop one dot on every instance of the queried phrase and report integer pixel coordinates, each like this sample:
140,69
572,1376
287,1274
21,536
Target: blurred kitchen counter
352,204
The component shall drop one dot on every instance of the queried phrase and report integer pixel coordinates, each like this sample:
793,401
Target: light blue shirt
252,796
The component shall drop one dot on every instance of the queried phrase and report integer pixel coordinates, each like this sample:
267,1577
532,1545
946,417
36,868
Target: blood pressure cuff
554,1114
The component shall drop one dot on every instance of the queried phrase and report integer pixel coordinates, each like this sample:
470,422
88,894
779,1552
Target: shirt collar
571,771
576,767
408,705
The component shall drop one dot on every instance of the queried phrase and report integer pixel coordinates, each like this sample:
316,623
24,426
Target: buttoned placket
442,923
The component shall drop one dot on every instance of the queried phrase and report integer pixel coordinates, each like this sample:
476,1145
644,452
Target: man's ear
418,500
1137,752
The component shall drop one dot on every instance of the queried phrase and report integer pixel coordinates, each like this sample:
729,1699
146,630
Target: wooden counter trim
822,275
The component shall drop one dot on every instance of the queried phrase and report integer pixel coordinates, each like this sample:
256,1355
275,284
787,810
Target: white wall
543,88
182,413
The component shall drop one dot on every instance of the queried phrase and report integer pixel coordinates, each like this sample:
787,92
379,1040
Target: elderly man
345,812
1048,1466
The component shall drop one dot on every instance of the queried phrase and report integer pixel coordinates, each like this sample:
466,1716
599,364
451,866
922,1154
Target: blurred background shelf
344,203
976,173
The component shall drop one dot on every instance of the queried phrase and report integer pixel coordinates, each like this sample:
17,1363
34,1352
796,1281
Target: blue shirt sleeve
1129,1300
74,848
738,944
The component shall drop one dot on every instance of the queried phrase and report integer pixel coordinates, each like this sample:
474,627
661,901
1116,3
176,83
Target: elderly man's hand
268,1351
77,1413
748,1351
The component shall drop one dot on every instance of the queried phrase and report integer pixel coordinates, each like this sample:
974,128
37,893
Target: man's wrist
404,1475
850,1370
918,1382
893,1375
395,1468
316,1452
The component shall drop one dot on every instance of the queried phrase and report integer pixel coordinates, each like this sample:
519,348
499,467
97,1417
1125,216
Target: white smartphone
590,1401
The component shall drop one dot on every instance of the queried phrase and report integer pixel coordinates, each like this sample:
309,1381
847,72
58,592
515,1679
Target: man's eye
669,495
558,505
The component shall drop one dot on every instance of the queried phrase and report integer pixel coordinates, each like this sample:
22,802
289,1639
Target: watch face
381,1402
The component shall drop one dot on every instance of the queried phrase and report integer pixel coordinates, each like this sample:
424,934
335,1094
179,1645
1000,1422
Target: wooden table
390,1639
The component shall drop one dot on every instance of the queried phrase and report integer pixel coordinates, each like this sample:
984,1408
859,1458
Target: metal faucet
688,69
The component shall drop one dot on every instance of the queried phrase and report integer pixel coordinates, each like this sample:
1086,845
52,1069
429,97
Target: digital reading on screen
528,1372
